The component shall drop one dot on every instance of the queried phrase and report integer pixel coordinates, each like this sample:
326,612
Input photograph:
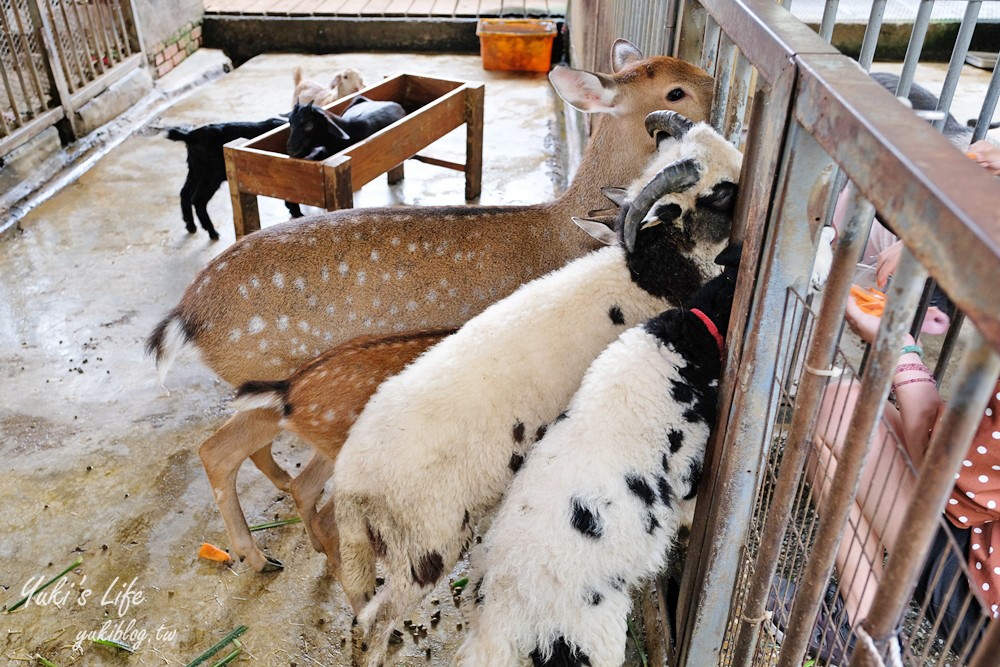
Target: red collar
710,325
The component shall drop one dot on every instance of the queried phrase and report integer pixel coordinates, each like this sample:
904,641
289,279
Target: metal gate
775,506
56,55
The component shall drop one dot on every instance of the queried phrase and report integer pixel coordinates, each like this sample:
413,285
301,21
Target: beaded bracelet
915,349
902,368
911,381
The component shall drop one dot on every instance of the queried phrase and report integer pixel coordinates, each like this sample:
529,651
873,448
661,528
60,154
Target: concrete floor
100,461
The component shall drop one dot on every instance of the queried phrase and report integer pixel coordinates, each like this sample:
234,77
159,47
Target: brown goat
319,403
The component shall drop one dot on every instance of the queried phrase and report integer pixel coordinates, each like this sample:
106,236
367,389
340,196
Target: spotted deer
281,296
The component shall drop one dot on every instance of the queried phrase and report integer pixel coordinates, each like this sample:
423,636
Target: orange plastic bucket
516,44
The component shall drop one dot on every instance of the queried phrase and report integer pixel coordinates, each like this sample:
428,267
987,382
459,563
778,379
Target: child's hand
987,155
862,323
888,261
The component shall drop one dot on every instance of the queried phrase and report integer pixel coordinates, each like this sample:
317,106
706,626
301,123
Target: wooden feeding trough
434,107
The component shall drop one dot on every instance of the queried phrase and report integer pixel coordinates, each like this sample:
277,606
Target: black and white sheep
316,134
207,165
604,495
437,445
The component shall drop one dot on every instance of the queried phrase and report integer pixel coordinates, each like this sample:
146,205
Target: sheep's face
314,133
682,212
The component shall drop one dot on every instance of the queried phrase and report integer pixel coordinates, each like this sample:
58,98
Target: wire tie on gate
831,372
755,621
895,653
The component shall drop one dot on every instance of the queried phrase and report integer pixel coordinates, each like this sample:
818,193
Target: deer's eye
675,94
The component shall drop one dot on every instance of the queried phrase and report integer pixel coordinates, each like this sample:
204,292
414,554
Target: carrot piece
212,552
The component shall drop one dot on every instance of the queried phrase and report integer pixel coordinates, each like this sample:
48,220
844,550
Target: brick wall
165,55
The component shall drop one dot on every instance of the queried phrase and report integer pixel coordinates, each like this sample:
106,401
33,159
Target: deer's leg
222,454
306,489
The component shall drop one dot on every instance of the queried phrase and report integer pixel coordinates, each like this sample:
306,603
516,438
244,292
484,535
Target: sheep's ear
336,80
585,91
730,255
623,54
343,135
616,195
597,229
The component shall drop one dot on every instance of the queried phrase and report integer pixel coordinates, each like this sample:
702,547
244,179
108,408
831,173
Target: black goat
207,166
316,134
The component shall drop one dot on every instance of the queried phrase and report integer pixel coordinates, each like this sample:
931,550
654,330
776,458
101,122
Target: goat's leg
203,193
187,191
306,489
264,460
398,598
221,455
293,209
357,554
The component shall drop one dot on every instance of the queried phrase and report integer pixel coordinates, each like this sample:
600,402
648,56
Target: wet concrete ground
101,462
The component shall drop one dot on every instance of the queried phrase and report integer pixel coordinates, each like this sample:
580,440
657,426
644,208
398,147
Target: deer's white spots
256,324
368,323
304,326
324,274
465,309
393,310
351,316
235,335
432,296
221,265
374,255
382,324
394,241
313,407
277,361
328,336
255,282
300,284
279,280
376,302
458,256
361,277
263,345
329,415
399,274
453,292
343,269
411,305
244,292
349,299
283,322
312,301
385,276
398,326
331,309
412,247
357,236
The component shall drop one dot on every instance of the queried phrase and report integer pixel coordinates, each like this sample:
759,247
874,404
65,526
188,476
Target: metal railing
775,506
56,55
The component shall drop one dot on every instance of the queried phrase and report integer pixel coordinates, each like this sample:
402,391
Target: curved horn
675,177
670,122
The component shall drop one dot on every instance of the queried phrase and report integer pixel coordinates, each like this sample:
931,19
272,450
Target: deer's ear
623,54
585,91
598,230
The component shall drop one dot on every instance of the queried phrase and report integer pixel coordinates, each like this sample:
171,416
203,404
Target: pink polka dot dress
975,504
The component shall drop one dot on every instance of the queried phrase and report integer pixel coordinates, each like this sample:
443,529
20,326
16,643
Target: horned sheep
605,497
437,445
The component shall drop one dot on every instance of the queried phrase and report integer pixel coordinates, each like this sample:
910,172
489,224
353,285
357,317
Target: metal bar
948,345
914,47
947,448
944,202
829,20
112,29
55,47
989,647
872,32
723,82
989,105
120,21
7,32
902,298
76,52
710,47
26,47
958,54
81,31
821,353
58,74
101,28
738,99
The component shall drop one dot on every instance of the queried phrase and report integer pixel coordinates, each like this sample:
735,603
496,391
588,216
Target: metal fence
793,462
56,55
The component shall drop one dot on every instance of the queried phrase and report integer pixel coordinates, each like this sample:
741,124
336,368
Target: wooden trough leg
396,174
246,215
337,182
474,96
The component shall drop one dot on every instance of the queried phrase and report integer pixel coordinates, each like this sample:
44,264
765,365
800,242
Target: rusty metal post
819,357
948,446
989,648
902,299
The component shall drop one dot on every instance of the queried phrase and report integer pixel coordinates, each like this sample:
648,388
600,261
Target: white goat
602,497
437,445
345,83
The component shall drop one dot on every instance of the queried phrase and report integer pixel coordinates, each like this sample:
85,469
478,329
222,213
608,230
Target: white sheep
603,496
346,82
437,445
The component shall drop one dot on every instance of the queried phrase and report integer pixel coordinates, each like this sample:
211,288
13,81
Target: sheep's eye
675,94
